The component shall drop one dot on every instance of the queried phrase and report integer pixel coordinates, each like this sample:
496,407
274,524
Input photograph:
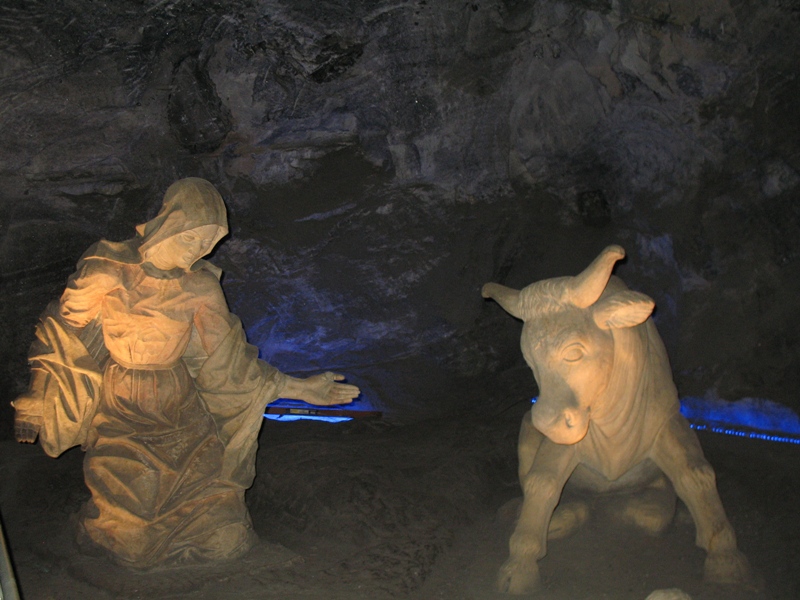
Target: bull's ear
625,309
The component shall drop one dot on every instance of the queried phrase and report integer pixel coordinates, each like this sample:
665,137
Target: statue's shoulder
126,252
203,268
203,282
107,260
204,278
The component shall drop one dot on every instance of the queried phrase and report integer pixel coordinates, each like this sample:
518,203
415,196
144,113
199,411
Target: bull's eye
573,353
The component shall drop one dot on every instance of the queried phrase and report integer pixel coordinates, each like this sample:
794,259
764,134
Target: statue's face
183,249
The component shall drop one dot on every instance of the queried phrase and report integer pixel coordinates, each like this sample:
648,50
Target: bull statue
607,419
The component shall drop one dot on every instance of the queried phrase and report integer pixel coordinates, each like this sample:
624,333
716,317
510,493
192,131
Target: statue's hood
188,203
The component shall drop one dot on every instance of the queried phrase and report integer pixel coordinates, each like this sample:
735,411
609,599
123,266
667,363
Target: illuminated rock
607,420
142,364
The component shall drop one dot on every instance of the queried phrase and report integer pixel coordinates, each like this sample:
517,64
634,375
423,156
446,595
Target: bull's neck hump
640,397
619,405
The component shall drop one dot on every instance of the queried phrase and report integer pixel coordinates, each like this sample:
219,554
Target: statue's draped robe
151,374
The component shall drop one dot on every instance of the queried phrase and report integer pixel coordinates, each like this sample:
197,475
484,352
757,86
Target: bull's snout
565,426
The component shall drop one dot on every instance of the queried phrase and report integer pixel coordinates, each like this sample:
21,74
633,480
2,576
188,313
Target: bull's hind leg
650,509
567,518
677,452
541,485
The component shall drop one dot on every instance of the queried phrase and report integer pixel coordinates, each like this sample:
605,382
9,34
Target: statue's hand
28,418
322,390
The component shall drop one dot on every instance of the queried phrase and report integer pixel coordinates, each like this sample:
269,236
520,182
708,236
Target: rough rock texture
383,159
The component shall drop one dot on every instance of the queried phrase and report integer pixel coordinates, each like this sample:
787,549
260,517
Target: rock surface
381,160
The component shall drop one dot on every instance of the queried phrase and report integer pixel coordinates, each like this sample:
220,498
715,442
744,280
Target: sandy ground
369,510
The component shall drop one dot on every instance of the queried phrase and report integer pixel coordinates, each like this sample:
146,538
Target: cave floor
416,511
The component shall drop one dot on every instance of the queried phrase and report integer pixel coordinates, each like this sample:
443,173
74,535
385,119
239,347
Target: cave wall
382,159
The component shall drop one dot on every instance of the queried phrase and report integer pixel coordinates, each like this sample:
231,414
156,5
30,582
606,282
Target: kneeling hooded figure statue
142,364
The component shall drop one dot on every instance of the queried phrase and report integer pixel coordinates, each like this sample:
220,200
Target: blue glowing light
287,411
747,434
752,418
752,413
289,418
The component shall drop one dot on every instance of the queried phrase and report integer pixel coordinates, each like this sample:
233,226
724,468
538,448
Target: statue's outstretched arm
321,390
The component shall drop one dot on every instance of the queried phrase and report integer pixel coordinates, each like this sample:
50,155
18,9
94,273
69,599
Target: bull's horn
506,297
585,289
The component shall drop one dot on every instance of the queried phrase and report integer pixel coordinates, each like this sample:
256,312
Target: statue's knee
230,541
541,485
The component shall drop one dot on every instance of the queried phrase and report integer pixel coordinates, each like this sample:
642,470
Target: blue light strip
288,418
749,414
783,437
746,434
297,410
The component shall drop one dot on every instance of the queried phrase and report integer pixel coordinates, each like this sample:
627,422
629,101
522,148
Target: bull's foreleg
677,452
541,486
528,444
566,517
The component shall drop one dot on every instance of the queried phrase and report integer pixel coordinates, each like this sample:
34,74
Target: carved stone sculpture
607,419
142,364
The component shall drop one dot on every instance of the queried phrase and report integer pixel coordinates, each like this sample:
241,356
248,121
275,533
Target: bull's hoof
516,577
729,567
